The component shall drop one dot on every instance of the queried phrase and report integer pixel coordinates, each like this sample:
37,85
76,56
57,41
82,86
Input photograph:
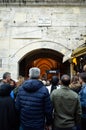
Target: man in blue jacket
82,79
33,103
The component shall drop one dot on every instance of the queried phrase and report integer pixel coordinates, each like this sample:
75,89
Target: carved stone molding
41,2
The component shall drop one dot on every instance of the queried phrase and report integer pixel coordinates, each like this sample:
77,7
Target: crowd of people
33,104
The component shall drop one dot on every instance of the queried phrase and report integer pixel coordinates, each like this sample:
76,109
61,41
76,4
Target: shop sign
52,71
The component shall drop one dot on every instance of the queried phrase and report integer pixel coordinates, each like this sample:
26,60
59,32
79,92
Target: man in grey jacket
67,108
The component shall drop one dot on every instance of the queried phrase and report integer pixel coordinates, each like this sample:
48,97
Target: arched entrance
25,56
45,59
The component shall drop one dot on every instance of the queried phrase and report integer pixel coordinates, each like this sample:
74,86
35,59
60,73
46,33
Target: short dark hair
5,75
65,79
54,80
83,76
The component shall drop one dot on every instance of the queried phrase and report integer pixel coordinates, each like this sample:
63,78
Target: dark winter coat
82,95
7,109
33,103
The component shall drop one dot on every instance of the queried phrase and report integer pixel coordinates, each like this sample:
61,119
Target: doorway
45,59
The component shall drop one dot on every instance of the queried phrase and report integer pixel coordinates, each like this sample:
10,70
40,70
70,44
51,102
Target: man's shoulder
20,88
44,89
56,91
61,90
73,93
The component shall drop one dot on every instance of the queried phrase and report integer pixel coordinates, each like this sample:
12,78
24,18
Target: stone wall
22,30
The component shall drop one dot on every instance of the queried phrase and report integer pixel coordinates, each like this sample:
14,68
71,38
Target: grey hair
34,72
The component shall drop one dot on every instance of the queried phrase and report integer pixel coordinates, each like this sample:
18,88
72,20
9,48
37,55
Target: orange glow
45,64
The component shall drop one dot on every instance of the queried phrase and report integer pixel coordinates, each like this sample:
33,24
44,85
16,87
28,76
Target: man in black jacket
7,109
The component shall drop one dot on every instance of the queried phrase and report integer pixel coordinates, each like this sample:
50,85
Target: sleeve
48,109
12,94
17,107
52,98
78,112
82,95
17,102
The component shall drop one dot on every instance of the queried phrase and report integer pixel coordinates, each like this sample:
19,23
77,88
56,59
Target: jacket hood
32,85
5,90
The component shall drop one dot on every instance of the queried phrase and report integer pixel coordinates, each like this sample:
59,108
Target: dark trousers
71,128
83,124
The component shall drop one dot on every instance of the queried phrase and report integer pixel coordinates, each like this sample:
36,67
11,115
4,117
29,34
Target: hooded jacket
7,109
33,103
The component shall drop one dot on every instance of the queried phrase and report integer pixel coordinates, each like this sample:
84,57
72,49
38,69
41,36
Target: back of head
65,80
5,75
54,80
75,79
83,76
20,80
84,68
34,73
